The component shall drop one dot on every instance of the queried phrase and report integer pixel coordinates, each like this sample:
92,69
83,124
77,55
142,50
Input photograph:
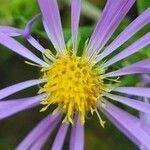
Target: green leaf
84,34
142,5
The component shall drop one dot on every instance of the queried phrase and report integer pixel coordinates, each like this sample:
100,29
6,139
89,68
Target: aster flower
78,85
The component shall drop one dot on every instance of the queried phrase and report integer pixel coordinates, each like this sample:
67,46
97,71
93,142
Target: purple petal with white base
136,91
75,16
38,131
135,47
133,28
60,137
11,107
111,18
50,11
77,135
18,87
128,124
20,49
138,105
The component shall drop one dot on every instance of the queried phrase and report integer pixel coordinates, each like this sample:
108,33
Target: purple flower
77,85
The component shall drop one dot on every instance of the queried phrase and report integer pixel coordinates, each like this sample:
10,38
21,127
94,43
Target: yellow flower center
73,85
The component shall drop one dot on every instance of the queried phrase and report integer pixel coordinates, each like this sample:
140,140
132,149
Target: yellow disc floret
73,85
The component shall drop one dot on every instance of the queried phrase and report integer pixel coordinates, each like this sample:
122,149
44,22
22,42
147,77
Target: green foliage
142,5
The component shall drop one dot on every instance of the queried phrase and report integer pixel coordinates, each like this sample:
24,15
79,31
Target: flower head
73,85
79,85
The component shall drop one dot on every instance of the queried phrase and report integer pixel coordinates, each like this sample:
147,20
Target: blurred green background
13,70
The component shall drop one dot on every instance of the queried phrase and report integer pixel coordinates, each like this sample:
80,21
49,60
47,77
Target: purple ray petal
145,116
137,91
29,38
38,131
138,67
35,44
133,28
51,36
50,11
18,87
138,105
38,46
127,71
11,31
60,137
128,124
39,143
146,126
20,49
75,16
145,78
77,135
27,30
133,48
111,18
11,107
143,63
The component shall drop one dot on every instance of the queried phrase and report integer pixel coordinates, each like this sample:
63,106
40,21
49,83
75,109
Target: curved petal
38,131
29,38
128,124
13,32
50,11
18,87
110,19
27,30
75,16
138,105
20,49
133,28
11,107
137,91
133,48
77,135
60,137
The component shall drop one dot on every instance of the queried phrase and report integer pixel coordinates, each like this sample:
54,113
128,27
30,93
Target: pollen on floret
73,85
